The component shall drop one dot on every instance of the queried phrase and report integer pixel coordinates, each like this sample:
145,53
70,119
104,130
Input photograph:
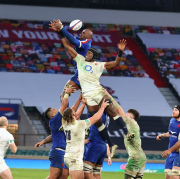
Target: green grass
42,174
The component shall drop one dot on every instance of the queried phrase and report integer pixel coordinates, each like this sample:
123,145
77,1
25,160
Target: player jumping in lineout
89,85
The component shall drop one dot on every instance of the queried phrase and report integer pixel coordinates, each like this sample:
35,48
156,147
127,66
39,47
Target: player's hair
67,116
3,121
47,113
135,113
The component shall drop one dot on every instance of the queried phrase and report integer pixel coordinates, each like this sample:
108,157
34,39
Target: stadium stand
161,45
37,57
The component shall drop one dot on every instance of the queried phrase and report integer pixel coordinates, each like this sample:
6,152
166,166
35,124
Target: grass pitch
42,174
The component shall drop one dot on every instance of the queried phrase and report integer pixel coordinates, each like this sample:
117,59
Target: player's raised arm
57,26
64,103
99,114
81,109
77,103
121,46
69,49
121,112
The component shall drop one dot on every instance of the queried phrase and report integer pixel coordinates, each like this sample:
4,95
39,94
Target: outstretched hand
70,89
121,45
84,100
56,25
159,137
104,104
166,153
38,144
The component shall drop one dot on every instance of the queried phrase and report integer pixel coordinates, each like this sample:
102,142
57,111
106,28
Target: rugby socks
121,124
104,135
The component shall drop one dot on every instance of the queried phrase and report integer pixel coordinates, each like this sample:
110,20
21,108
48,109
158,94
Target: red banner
49,36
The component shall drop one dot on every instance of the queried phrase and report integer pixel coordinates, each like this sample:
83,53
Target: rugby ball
75,25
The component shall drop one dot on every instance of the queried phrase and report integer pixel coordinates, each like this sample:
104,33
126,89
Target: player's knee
87,168
96,170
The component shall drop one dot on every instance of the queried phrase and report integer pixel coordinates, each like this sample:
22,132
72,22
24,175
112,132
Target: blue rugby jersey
59,138
82,48
94,133
174,130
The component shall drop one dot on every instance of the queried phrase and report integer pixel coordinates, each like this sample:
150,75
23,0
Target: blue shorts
96,152
74,78
56,158
172,160
85,151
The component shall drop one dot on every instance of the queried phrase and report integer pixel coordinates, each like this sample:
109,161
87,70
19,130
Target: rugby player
56,155
137,158
89,74
82,44
75,136
96,151
172,164
6,140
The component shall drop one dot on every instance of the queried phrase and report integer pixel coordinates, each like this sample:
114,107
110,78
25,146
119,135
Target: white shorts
94,98
3,166
73,164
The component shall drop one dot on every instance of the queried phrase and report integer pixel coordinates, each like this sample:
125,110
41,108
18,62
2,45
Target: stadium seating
44,58
167,61
155,30
37,61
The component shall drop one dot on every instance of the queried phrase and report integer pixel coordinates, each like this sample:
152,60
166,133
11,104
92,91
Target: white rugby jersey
89,73
75,135
5,139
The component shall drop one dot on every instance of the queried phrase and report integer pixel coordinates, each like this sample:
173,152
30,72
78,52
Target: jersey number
68,135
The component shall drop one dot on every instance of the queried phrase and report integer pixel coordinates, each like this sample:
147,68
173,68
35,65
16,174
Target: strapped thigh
96,170
175,172
87,168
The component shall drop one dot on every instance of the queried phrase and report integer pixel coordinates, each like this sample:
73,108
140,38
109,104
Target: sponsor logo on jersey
88,68
172,132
